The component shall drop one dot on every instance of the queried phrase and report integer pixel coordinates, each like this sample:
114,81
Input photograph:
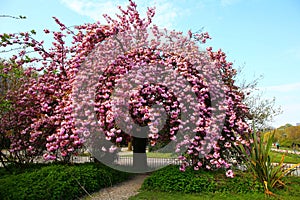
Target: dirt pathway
121,191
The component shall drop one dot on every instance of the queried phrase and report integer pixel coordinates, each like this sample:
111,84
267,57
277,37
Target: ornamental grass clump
258,160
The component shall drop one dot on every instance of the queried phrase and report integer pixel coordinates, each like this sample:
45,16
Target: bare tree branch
14,17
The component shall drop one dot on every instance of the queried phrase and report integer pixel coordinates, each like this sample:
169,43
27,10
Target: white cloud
291,114
166,11
92,8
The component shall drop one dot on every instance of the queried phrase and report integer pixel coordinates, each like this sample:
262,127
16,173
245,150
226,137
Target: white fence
159,162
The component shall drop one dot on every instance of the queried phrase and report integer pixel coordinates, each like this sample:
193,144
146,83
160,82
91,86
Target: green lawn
156,155
160,155
149,195
289,158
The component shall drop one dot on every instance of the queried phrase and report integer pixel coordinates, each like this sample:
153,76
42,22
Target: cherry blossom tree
8,81
211,117
10,110
127,78
40,121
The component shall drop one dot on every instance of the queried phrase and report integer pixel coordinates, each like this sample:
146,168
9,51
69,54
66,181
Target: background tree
261,109
39,123
286,135
11,79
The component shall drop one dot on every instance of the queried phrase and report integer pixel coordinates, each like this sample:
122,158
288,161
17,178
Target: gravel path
121,191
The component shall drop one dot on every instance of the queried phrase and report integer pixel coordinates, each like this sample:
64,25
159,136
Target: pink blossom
227,145
112,149
230,173
64,153
216,155
119,139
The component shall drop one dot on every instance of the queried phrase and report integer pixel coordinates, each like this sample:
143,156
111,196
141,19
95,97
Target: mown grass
149,195
160,155
289,158
155,155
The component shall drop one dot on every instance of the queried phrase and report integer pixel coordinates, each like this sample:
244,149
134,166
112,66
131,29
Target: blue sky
262,36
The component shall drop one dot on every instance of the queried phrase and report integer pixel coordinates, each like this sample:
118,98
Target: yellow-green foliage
286,135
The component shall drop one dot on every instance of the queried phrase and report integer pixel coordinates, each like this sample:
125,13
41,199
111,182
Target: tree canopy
74,93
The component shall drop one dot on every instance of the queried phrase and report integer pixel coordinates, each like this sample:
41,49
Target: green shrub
59,181
21,168
170,179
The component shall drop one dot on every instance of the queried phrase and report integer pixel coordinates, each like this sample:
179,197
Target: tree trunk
130,145
139,154
2,155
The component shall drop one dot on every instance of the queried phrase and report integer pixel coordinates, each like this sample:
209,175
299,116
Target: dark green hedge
58,181
170,179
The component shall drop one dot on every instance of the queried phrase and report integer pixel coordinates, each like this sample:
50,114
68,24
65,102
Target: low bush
170,179
14,168
57,181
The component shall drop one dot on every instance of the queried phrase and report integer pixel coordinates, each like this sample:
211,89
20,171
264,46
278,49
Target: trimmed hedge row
59,181
170,179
